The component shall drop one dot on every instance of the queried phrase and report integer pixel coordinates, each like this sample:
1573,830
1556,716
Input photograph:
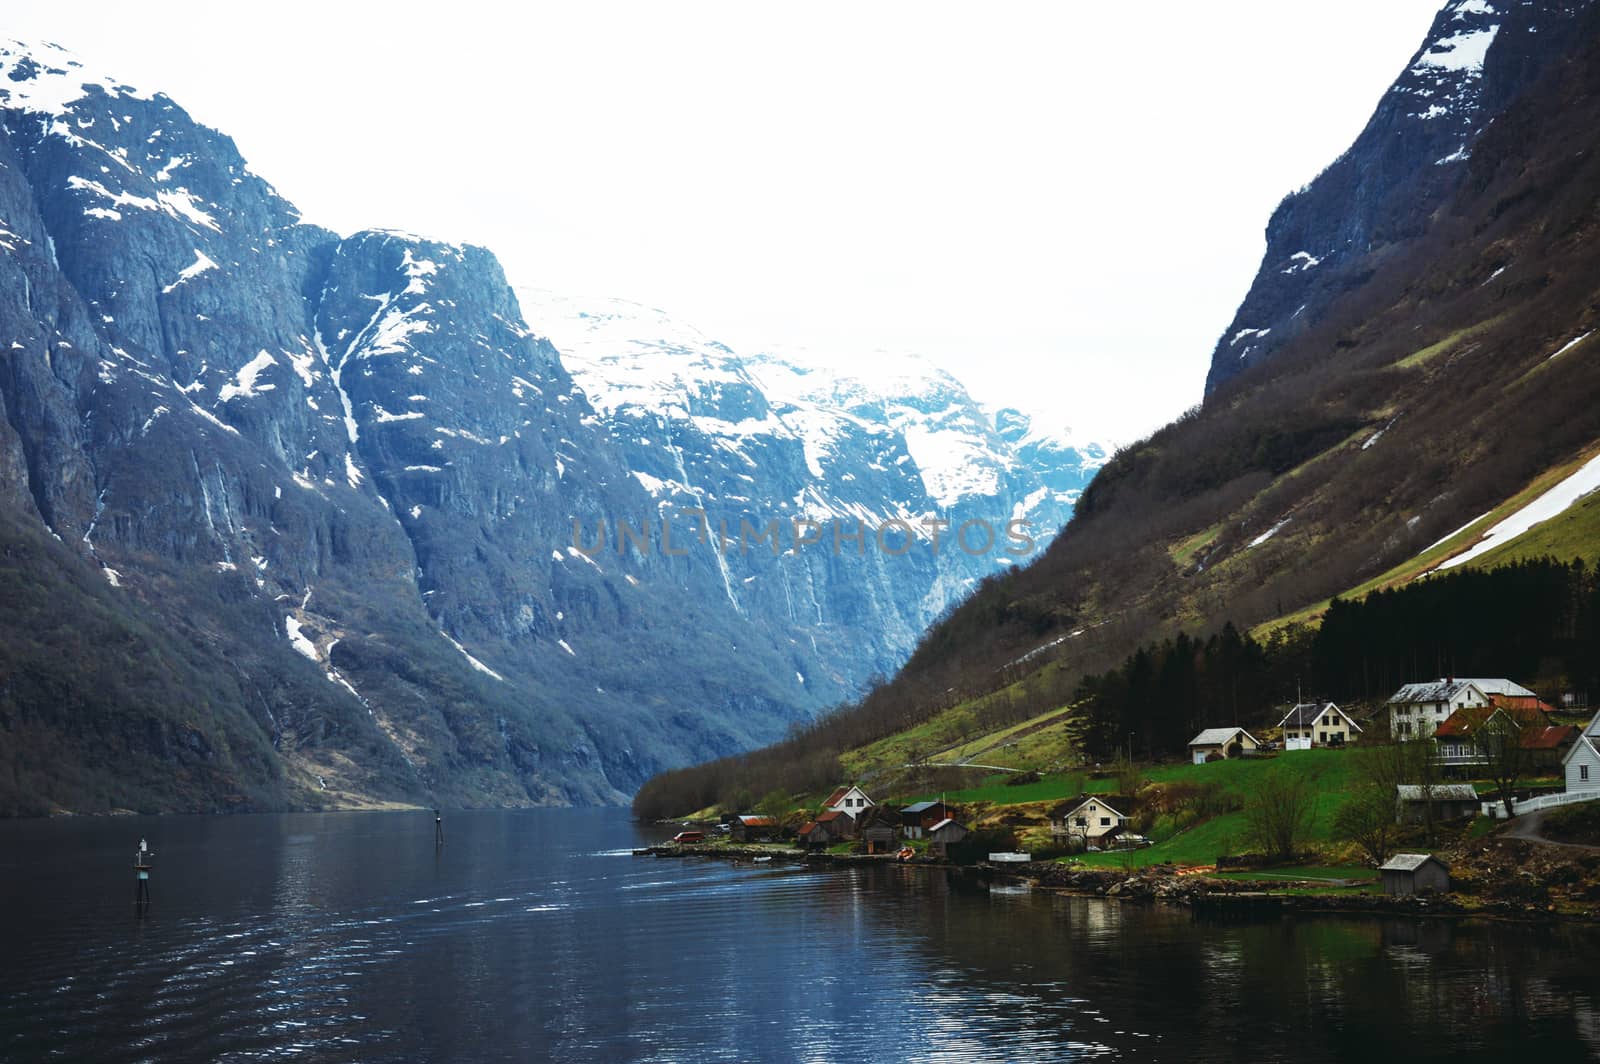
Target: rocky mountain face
1439,384
908,491
294,519
1327,239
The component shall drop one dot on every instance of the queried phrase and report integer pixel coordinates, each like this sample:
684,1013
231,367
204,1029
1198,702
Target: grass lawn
1321,873
1328,772
994,790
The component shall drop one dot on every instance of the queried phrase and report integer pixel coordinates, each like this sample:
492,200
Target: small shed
839,824
1413,873
1224,742
943,834
814,836
879,829
753,829
1451,801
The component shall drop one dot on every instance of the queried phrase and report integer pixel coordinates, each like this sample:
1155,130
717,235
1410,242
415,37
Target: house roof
1305,715
1553,737
1536,731
1219,737
808,827
1499,686
833,814
920,807
1431,691
941,825
1410,862
1446,689
1066,809
838,795
758,822
1442,792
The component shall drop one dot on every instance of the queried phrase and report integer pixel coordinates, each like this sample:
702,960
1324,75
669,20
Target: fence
1543,801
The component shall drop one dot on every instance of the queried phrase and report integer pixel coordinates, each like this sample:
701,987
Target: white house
1089,819
1317,724
1417,709
1581,766
850,800
1226,742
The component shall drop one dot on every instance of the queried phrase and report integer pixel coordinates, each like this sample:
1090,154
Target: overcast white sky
1061,203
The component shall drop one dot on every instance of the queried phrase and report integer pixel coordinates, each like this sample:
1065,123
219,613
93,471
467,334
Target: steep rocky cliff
288,518
1327,240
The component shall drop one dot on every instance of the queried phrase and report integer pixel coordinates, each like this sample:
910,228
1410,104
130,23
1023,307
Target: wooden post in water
141,877
438,829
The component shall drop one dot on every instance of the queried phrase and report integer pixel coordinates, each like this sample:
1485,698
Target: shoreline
1229,898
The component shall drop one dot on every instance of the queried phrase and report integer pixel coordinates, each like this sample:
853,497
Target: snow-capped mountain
1478,55
293,518
892,444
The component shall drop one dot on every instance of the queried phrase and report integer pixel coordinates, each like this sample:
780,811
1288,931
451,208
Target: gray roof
919,807
1408,862
1431,691
1500,686
1442,792
1445,690
1305,715
1217,736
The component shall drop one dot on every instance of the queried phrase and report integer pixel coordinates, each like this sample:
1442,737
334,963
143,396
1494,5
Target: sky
1060,203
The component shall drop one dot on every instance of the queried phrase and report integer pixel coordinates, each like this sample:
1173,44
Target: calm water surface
535,936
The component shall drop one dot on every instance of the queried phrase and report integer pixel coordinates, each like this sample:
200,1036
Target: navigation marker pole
141,877
438,829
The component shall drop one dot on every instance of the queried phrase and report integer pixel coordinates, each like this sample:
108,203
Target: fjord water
535,935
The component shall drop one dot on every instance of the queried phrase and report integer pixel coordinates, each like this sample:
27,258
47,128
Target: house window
1105,821
1583,772
1082,821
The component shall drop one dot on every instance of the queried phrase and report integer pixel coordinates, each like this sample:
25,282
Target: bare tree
1281,814
1500,740
1367,818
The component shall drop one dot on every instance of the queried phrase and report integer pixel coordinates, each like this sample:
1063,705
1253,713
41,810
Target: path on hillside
1528,826
959,764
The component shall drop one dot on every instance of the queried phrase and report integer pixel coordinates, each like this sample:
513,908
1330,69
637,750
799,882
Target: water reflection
536,935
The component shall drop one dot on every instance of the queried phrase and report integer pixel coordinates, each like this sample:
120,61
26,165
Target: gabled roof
1498,686
1553,737
1442,792
1446,689
838,795
758,821
946,822
808,827
1410,862
920,807
1066,809
1219,737
1532,721
833,814
1432,691
1305,715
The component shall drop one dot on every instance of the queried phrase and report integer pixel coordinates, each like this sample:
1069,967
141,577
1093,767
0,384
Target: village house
1450,801
850,800
916,819
879,829
1311,724
1417,709
1221,742
1412,873
1461,743
1581,765
753,829
943,835
1088,819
